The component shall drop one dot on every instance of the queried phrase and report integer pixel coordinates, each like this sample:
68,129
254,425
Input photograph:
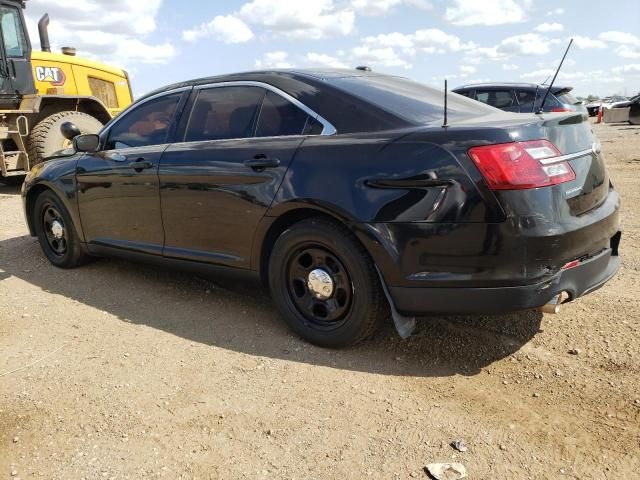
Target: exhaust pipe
43,30
553,306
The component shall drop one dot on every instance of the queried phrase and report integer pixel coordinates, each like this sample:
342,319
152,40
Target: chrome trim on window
327,127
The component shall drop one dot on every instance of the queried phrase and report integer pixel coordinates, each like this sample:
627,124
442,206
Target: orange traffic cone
600,114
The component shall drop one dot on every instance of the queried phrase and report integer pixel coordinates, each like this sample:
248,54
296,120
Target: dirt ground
117,370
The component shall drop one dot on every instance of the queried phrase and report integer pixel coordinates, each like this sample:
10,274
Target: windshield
409,100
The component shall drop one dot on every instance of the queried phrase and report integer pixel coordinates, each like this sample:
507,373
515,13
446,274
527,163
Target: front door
217,185
118,189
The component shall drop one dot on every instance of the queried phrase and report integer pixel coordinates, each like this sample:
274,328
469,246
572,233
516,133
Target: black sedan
344,192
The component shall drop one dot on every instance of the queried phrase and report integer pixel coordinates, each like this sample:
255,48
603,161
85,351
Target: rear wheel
325,284
56,232
46,139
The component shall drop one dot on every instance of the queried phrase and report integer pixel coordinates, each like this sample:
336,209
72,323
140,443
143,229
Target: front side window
222,113
145,125
495,98
12,33
279,117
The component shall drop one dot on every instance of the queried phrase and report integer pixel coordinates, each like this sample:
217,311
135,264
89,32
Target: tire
46,139
63,248
356,306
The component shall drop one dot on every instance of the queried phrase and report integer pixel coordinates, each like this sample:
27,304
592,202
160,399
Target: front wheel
325,284
56,232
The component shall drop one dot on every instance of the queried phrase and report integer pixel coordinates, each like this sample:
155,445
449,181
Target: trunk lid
573,136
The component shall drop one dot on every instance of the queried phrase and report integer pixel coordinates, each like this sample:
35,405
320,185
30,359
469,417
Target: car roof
522,85
318,74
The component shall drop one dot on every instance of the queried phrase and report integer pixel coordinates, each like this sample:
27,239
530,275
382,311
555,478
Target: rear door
217,184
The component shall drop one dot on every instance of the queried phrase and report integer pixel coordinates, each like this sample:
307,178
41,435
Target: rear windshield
411,101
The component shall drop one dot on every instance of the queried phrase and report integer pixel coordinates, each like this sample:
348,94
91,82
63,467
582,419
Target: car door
118,187
217,184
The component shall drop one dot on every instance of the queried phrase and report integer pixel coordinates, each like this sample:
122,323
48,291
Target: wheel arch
272,227
52,104
30,202
35,190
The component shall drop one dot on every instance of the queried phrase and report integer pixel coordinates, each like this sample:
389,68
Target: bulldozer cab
16,78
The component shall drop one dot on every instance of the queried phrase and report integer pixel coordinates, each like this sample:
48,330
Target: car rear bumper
587,276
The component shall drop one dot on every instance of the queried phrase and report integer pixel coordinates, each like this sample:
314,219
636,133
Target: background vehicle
42,90
634,109
606,102
520,97
342,191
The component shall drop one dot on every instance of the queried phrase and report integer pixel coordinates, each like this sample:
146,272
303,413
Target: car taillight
561,109
521,165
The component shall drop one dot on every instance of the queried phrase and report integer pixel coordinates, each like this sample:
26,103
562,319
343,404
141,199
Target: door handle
141,164
261,161
116,157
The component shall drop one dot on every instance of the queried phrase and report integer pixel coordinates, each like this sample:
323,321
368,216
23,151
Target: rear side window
147,124
280,117
526,98
222,113
465,93
495,98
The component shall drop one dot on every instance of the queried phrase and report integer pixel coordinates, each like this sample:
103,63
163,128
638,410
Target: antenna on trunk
544,99
445,103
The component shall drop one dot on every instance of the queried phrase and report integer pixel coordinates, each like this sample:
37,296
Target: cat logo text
53,75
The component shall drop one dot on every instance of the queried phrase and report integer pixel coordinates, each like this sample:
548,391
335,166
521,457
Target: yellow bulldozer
41,90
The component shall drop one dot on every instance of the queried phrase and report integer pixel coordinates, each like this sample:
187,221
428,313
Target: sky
165,41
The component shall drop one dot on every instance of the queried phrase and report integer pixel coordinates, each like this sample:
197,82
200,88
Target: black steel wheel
54,229
56,232
325,284
319,285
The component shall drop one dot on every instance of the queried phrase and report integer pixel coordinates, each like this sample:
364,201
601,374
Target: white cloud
113,32
384,57
277,59
627,44
526,44
557,11
468,69
228,29
633,68
509,67
380,7
573,78
302,19
324,60
487,12
549,27
619,37
429,40
482,54
432,37
586,42
539,75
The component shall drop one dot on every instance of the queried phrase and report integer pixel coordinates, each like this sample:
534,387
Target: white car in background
607,102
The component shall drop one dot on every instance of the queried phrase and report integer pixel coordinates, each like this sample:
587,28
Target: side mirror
69,130
86,143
